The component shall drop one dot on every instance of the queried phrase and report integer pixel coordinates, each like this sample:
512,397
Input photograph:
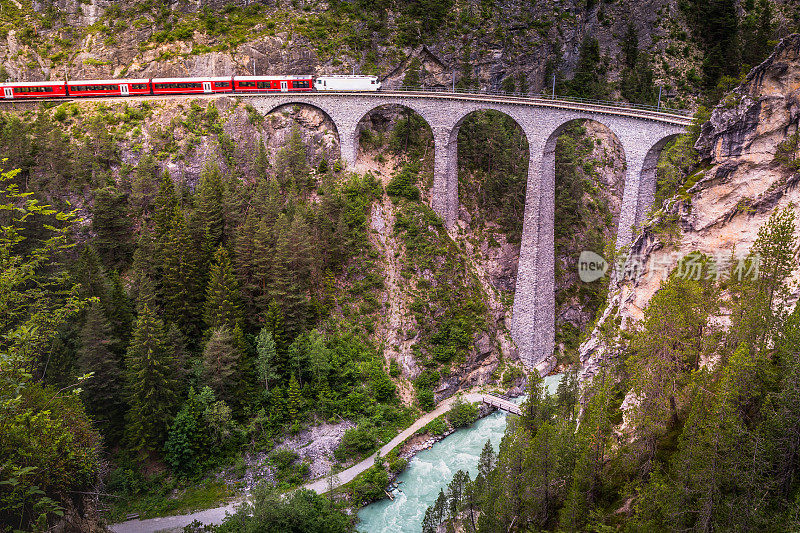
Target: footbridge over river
642,132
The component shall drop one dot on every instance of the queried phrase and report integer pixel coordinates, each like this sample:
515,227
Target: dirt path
321,486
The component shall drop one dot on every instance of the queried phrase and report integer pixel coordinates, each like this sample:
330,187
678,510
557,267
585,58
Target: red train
204,85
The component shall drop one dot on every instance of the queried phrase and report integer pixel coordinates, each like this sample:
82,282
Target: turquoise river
431,470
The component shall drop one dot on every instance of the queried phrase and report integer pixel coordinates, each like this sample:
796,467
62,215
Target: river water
432,470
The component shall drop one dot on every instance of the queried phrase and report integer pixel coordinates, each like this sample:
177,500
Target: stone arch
548,157
356,133
329,117
648,178
445,187
453,145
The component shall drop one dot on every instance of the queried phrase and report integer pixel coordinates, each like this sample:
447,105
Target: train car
192,85
347,83
34,89
252,84
108,87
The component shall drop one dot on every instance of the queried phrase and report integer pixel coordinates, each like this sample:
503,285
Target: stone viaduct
641,133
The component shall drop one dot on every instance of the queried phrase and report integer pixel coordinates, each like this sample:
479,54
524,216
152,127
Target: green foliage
403,183
98,356
112,227
222,357
200,433
49,449
357,442
589,80
636,78
436,427
292,163
270,512
462,414
267,356
152,389
493,170
369,486
222,298
677,160
786,154
411,136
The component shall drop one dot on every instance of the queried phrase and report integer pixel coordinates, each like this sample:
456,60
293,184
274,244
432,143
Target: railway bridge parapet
642,133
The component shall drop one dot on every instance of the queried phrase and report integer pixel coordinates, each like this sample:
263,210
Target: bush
462,414
49,453
425,398
403,184
357,441
269,511
369,486
436,427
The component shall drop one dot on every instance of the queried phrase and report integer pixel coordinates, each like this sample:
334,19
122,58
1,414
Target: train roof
29,83
104,82
198,78
293,77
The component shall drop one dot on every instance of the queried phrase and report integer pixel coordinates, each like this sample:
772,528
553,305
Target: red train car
34,89
192,85
252,84
108,87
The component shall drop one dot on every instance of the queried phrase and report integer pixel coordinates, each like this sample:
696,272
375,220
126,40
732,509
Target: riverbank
321,486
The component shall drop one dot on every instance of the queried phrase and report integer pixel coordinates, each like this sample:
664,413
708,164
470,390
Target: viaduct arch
642,134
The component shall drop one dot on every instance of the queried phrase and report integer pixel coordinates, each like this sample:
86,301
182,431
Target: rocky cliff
748,168
515,45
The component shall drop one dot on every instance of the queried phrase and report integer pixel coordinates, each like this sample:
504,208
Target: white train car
347,83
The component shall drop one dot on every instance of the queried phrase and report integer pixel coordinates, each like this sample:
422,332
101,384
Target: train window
247,84
264,85
222,84
173,85
139,86
34,89
300,84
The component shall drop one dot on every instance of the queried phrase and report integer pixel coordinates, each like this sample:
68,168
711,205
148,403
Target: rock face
742,184
492,45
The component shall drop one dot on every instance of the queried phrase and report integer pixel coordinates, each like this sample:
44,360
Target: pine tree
589,80
221,357
210,205
223,307
181,291
90,275
262,267
146,276
667,348
261,164
487,460
273,321
144,186
294,399
151,382
290,269
112,226
292,162
165,207
761,282
244,264
267,356
118,310
96,355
